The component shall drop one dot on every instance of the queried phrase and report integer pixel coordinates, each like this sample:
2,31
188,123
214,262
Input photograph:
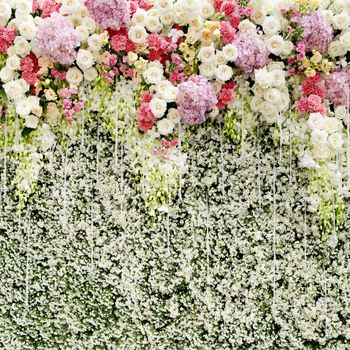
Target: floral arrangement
282,64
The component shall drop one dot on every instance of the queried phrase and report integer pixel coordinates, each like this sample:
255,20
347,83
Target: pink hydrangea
196,99
318,33
252,51
338,88
57,39
114,14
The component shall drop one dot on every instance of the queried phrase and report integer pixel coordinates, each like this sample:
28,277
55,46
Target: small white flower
13,90
165,126
206,9
256,103
158,107
321,152
332,125
27,29
163,6
341,112
69,6
171,93
246,25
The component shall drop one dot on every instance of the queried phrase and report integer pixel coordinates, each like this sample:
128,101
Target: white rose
223,72
158,107
153,75
90,74
33,101
162,86
138,34
174,115
345,39
7,74
207,54
32,121
307,161
13,63
269,112
153,24
288,46
207,10
341,112
165,126
278,77
207,70
69,6
220,58
13,90
23,7
285,101
163,5
256,103
5,13
230,51
341,21
336,141
89,23
321,152
340,5
275,44
24,85
271,25
95,42
74,76
22,46
23,108
331,125
166,19
139,18
84,59
336,49
246,25
259,15
27,29
328,15
319,137
171,93
316,121
263,77
83,33
273,96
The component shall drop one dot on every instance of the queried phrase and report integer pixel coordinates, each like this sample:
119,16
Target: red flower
118,42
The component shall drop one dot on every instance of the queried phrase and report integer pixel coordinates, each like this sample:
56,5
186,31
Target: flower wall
229,266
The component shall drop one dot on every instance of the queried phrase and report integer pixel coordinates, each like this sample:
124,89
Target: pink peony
57,39
114,14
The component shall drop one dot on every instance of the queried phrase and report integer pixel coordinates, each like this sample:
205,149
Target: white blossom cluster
235,262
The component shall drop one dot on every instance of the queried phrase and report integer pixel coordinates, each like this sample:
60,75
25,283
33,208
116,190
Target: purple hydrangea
113,14
252,51
196,98
338,88
57,39
318,33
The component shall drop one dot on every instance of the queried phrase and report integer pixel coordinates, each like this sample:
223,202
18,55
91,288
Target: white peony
165,126
220,58
89,23
166,19
138,34
74,76
230,51
269,112
85,59
158,107
223,72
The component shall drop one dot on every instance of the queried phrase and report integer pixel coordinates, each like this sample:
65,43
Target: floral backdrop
212,134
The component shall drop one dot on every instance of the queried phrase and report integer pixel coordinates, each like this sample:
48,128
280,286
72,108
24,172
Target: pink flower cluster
7,36
30,68
314,86
70,105
225,96
165,150
120,40
252,51
57,39
227,32
318,33
338,88
114,14
196,98
145,116
47,7
310,104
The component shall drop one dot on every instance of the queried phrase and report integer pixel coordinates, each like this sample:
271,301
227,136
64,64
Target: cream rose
74,76
165,126
158,107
